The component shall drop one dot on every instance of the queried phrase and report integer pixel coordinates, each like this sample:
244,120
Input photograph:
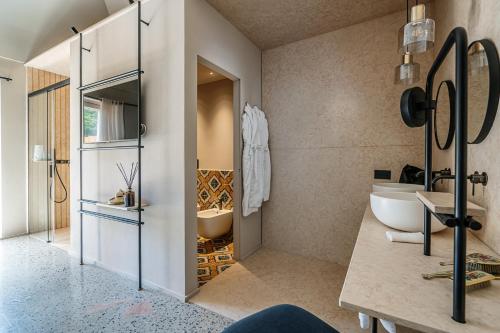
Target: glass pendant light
408,72
478,60
419,32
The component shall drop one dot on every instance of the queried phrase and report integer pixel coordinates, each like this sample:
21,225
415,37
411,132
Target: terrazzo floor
43,289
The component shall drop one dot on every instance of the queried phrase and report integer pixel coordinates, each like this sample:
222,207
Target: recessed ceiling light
211,73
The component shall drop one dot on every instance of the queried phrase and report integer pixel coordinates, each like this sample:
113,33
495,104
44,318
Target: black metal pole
81,154
374,325
428,177
460,244
457,37
139,105
50,88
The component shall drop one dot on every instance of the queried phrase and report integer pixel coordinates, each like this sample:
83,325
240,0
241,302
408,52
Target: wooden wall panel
59,101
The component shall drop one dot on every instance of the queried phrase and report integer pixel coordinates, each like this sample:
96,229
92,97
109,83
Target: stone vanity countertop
384,280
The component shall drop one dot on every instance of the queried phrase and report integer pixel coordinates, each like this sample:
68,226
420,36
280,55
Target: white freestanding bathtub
213,223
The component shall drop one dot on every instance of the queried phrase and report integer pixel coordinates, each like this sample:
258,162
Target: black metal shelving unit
84,212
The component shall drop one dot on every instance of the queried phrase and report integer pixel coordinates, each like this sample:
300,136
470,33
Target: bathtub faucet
220,203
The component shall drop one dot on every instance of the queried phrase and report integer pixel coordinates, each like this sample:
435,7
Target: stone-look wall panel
334,117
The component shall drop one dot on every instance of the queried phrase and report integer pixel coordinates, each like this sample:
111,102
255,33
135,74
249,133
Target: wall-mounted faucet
475,178
478,178
443,172
440,175
220,204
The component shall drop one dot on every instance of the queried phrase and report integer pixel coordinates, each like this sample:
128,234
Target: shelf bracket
85,49
146,23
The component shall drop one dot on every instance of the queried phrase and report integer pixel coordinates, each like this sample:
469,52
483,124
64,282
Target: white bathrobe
256,160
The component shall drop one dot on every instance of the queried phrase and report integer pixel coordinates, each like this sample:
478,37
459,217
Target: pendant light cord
407,13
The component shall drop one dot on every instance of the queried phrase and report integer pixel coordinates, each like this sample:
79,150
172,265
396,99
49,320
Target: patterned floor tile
214,256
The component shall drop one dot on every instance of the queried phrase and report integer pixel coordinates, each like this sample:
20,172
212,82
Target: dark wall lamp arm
417,106
457,38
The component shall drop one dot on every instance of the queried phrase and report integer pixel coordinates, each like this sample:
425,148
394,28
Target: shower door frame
50,169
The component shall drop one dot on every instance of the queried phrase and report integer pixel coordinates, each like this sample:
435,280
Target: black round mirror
444,115
484,89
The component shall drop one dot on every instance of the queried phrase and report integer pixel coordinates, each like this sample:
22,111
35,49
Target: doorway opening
217,191
48,157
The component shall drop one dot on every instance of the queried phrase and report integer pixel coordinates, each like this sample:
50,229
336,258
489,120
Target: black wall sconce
416,110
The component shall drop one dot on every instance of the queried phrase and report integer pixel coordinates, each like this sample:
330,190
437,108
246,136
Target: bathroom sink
402,211
213,223
396,187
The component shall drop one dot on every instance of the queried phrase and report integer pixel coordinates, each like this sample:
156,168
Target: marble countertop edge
384,281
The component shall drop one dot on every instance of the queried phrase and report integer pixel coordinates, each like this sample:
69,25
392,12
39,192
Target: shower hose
63,186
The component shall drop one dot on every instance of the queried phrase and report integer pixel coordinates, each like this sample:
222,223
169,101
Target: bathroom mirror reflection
484,86
444,115
111,114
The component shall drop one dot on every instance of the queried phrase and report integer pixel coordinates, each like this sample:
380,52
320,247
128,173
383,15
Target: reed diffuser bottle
129,197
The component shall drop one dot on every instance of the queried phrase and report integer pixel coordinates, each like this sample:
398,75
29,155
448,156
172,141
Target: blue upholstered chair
283,318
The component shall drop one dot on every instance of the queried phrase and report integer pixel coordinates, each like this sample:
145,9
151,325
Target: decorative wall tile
214,185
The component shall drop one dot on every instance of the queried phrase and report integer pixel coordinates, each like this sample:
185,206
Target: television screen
111,114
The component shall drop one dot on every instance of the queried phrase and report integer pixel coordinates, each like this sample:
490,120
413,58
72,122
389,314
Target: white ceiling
115,5
271,23
29,27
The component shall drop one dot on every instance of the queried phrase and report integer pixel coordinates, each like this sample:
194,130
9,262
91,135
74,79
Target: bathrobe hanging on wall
256,160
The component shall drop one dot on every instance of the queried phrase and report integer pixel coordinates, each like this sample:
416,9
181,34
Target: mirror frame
494,91
451,128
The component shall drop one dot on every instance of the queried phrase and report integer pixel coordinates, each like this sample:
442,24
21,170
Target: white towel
364,323
405,237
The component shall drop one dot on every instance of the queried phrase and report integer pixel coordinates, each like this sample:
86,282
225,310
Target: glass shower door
40,167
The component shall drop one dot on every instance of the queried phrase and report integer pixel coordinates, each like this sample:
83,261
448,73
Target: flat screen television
110,114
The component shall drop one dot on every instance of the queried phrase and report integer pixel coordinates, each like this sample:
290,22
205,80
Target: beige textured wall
215,125
481,20
334,117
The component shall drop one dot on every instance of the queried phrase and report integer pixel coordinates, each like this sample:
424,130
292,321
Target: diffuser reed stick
128,177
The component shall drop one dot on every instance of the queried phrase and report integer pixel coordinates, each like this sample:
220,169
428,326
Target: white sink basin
396,187
402,211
